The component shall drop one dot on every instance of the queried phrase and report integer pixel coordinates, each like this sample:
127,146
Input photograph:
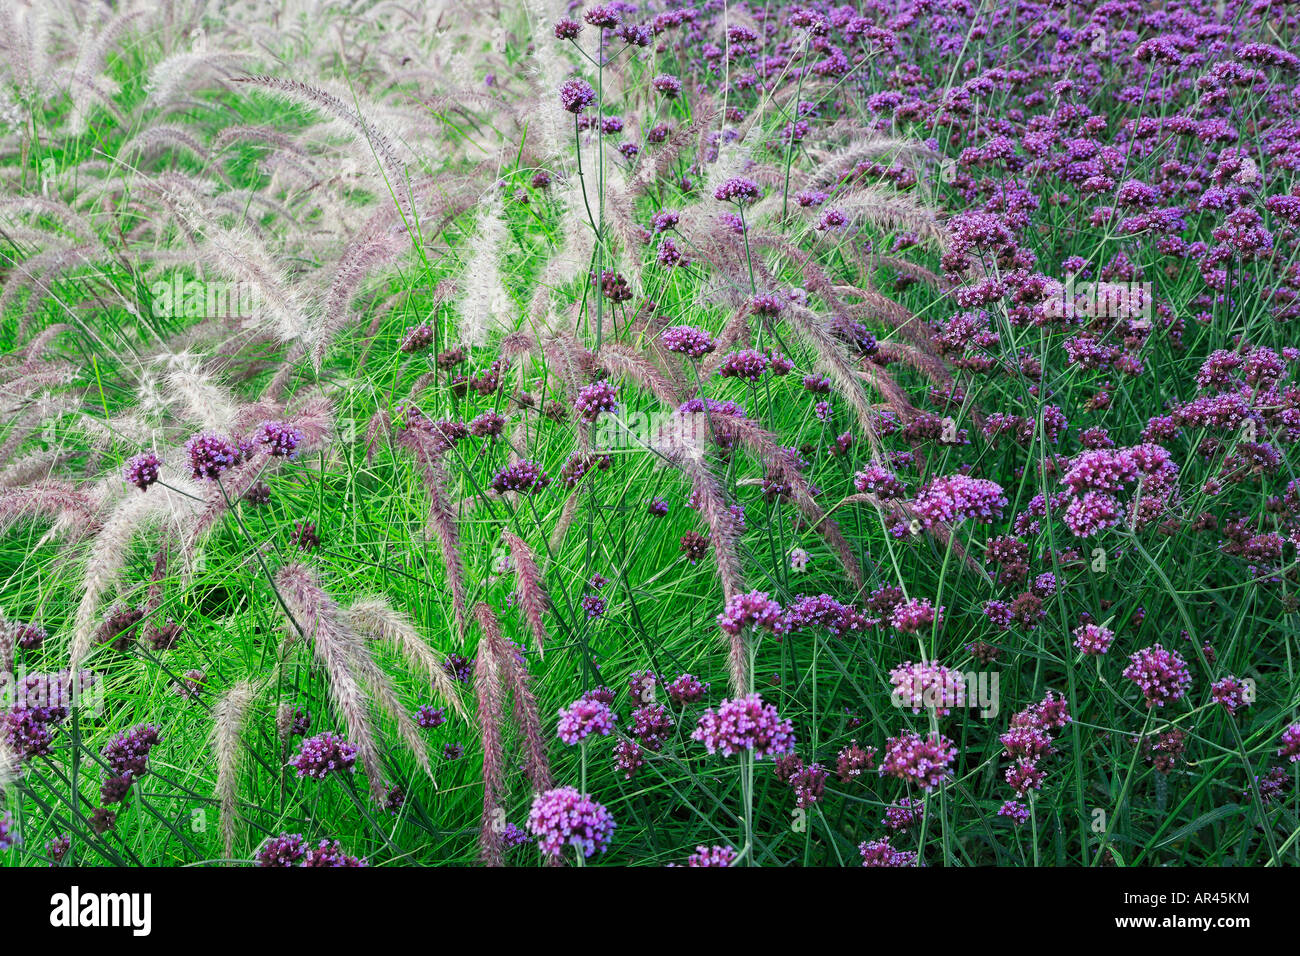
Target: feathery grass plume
573,255
229,716
315,615
529,588
376,245
74,512
649,173
551,69
490,691
376,142
484,302
537,766
8,647
156,139
735,158
833,360
841,160
722,525
878,306
112,547
385,696
193,388
376,617
568,511
185,71
38,273
10,769
69,218
726,554
869,263
927,363
236,253
889,209
622,359
895,396
777,461
32,467
428,451
27,32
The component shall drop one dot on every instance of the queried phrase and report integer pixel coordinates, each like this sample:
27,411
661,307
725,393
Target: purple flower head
628,758
128,752
523,476
756,609
915,614
928,685
1093,639
949,499
651,726
1161,675
904,815
428,716
142,470
8,835
304,537
329,853
739,190
924,762
417,338
667,85
606,17
323,754
1017,813
745,723
583,718
665,219
565,816
747,365
57,848
596,398
1290,744
27,636
1232,693
809,784
567,28
576,96
875,479
881,853
687,689
284,850
211,455
688,340
712,856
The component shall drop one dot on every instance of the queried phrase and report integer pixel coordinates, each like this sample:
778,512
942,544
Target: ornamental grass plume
356,683
429,450
530,589
229,716
375,617
504,674
489,690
